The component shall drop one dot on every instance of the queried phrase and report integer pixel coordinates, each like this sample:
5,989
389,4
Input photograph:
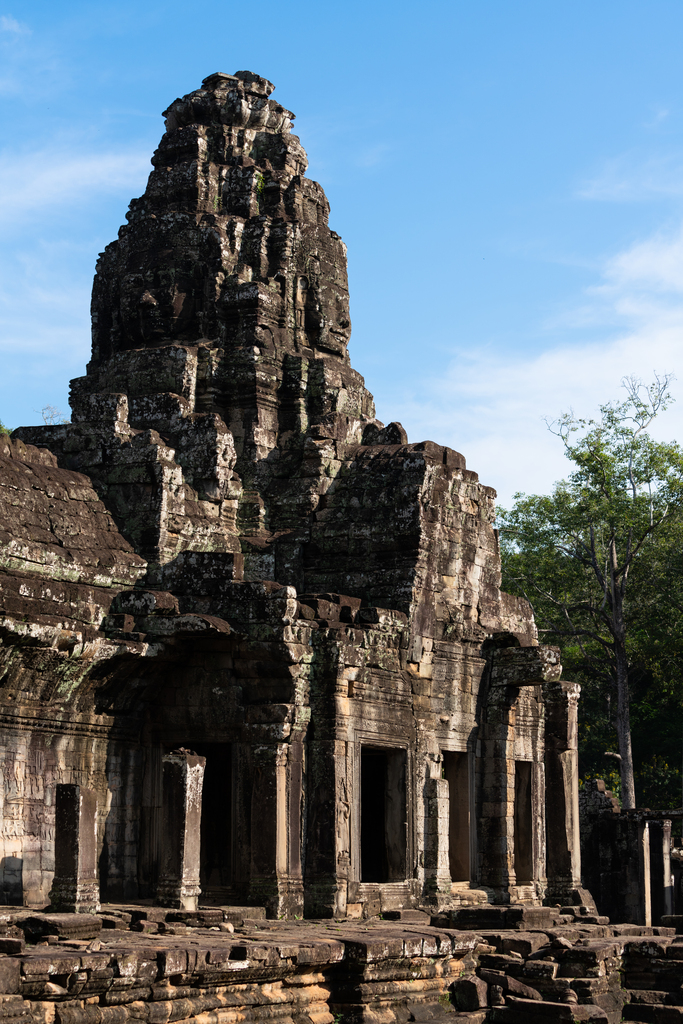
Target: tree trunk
623,717
623,723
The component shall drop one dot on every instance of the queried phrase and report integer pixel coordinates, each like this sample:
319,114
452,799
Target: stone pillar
660,870
436,859
563,850
497,821
512,669
183,778
645,873
276,880
329,770
667,874
636,874
75,888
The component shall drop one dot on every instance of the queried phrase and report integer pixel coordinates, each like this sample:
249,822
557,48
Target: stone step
412,916
674,921
237,915
518,917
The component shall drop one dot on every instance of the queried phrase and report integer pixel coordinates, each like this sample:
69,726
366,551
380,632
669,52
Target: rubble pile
230,964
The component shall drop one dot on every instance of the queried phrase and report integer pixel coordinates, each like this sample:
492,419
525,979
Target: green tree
592,556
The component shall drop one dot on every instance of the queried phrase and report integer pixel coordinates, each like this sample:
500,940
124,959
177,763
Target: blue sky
508,178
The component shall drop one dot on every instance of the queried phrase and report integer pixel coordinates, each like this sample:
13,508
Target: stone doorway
383,810
216,858
524,858
456,773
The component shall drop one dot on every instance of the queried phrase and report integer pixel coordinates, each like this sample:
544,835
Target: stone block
469,993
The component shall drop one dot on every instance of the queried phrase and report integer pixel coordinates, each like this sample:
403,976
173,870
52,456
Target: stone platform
224,965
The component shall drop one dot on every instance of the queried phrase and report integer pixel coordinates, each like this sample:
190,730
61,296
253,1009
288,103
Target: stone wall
627,857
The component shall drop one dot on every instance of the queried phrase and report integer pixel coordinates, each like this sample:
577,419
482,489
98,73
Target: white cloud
622,181
660,115
654,264
10,24
44,299
492,409
44,325
40,182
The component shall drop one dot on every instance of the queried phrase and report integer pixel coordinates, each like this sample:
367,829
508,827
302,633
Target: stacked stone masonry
520,965
253,647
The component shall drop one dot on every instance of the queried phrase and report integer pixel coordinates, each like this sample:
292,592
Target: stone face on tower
230,247
295,593
221,320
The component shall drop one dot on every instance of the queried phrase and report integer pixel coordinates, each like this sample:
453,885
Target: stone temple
253,647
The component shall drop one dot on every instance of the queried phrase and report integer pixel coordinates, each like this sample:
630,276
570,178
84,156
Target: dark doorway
524,861
383,815
215,871
456,773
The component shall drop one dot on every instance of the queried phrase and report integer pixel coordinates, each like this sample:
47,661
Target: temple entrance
456,773
383,834
524,860
215,872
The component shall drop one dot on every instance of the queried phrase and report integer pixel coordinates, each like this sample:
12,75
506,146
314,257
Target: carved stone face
229,251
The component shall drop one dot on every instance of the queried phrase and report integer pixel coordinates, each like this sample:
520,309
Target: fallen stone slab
429,1013
15,1008
508,984
649,996
526,1011
653,1013
470,993
64,926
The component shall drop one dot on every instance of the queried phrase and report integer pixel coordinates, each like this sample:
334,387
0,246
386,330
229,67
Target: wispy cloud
19,57
656,264
41,182
370,156
493,409
44,324
44,296
625,179
14,27
659,116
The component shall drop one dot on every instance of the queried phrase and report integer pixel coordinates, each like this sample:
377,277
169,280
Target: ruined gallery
256,665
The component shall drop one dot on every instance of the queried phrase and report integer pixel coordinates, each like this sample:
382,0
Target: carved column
75,887
660,869
497,820
183,779
636,876
563,850
276,880
512,669
329,849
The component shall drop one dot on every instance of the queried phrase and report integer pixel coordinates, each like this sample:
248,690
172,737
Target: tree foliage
598,558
